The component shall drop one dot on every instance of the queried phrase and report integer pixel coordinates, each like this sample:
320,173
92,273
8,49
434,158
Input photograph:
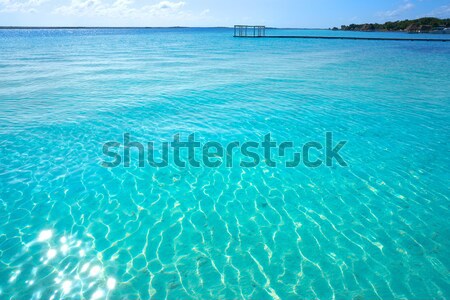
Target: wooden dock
251,31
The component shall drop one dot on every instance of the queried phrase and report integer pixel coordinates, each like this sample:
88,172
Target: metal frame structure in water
249,31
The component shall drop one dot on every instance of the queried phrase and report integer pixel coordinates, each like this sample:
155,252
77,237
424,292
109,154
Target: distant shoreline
98,27
422,25
143,27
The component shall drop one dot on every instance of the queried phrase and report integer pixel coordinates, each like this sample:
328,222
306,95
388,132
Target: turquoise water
70,228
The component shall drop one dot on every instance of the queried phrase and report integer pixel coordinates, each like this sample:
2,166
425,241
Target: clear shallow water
70,228
375,34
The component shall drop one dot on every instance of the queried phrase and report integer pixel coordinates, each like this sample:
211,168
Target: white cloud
107,12
406,6
118,8
205,12
163,5
80,7
442,12
163,8
20,6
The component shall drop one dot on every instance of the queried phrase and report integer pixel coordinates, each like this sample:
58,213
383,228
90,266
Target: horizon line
144,27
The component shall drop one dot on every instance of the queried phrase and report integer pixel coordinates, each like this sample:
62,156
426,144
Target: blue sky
279,13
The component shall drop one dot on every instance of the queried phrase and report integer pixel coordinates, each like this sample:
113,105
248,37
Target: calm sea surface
70,228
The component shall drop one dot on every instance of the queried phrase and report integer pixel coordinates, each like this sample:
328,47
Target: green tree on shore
405,25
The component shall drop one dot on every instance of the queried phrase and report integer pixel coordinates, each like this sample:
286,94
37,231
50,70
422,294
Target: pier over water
258,31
